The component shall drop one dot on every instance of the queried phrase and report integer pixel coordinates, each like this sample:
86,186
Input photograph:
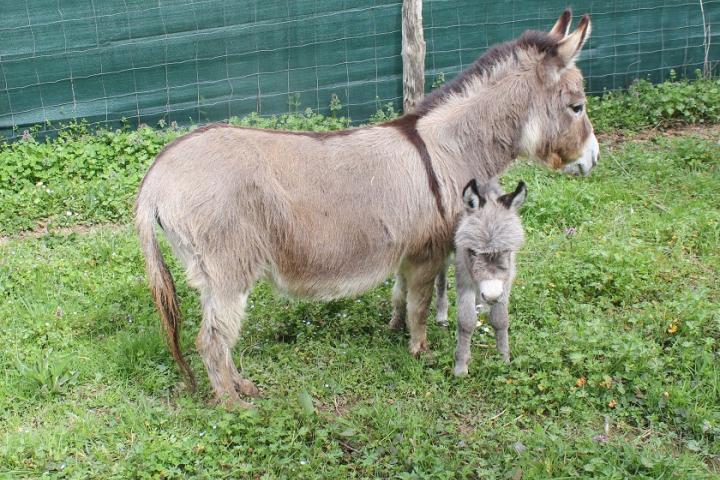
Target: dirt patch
467,424
708,132
713,463
339,406
43,229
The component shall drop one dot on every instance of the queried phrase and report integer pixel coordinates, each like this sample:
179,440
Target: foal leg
399,305
499,322
220,329
467,321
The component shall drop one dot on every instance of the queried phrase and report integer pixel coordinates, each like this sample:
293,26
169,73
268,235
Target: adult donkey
326,215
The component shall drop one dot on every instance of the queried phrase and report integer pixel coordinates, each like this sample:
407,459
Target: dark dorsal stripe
407,125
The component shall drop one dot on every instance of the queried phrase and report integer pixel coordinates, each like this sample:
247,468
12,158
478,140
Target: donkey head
557,131
488,235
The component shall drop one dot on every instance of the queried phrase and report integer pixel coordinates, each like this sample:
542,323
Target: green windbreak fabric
204,60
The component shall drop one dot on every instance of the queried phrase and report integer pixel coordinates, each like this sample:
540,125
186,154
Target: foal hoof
442,322
247,388
460,371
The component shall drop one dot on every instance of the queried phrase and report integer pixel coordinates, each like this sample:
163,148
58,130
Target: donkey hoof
416,348
247,388
396,324
233,405
231,401
442,322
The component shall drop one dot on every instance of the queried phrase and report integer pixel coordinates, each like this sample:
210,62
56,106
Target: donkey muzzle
587,161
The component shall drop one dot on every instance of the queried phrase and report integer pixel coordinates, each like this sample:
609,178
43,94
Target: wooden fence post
413,54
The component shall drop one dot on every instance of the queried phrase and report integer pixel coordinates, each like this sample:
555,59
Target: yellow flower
672,328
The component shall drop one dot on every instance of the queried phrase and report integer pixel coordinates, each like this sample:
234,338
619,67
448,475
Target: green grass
644,104
615,314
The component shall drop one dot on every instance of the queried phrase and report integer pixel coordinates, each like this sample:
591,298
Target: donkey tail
161,284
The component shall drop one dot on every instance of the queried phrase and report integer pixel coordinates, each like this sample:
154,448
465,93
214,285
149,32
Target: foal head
487,237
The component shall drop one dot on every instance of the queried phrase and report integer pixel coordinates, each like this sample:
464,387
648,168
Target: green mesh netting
197,61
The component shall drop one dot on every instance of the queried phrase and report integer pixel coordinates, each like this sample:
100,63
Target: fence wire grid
186,61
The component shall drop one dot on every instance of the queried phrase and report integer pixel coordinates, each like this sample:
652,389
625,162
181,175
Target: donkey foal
441,318
487,238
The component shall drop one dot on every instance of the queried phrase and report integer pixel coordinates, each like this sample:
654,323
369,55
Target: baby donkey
487,237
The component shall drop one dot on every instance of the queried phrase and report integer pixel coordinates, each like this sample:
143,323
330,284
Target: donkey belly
323,287
335,258
316,218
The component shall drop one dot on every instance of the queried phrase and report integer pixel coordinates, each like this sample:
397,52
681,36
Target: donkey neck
478,134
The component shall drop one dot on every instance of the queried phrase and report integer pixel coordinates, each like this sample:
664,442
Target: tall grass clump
663,105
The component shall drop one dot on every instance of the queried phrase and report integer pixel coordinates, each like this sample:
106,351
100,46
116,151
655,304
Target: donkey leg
220,329
420,289
442,297
399,299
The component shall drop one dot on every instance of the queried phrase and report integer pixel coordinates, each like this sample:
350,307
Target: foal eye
577,108
471,253
489,258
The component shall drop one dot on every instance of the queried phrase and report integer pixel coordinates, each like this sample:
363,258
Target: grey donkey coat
324,215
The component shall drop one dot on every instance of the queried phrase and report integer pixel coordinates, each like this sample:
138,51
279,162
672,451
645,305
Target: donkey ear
570,46
514,200
562,26
472,197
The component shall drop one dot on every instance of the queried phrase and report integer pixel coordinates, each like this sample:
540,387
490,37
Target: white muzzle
491,290
588,160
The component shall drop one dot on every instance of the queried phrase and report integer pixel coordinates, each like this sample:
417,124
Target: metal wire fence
194,61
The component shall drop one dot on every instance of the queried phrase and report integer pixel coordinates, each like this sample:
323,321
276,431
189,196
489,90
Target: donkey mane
532,39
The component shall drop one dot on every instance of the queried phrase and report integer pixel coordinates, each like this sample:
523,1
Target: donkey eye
472,253
577,108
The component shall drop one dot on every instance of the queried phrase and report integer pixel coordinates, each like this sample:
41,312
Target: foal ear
514,200
562,26
472,197
570,46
